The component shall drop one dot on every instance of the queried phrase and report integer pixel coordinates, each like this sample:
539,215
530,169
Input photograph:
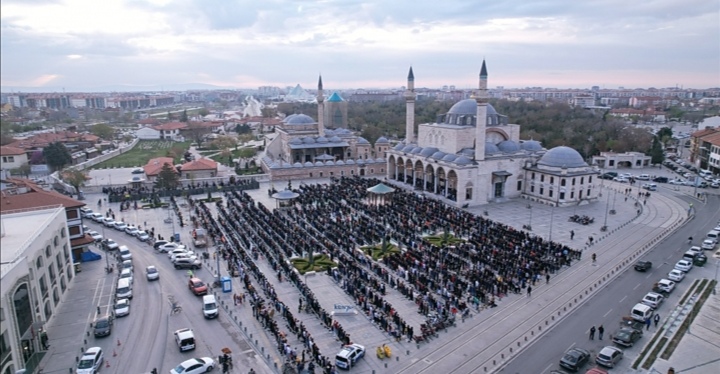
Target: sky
91,45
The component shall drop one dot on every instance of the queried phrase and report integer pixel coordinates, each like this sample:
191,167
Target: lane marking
608,312
571,346
547,368
623,299
636,287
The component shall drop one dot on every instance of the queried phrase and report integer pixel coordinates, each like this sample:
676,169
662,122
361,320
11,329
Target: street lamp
607,206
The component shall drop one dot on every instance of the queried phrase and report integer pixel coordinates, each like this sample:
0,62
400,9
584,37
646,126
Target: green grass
321,263
378,251
144,151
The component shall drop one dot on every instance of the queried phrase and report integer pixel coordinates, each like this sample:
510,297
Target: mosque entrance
499,188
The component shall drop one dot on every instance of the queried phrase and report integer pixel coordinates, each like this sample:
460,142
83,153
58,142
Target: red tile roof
713,139
154,166
199,164
703,132
11,151
44,139
171,126
35,197
148,121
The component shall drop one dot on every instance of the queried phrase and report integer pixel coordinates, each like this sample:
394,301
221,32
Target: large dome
469,107
299,119
508,146
562,157
531,145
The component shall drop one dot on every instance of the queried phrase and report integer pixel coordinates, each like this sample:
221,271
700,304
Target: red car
197,286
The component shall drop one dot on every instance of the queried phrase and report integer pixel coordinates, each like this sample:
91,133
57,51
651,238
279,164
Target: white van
124,289
210,307
641,312
713,235
185,339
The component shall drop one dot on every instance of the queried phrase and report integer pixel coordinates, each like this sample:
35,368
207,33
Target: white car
695,249
643,177
152,273
683,265
178,256
97,217
109,222
653,300
142,236
666,285
86,212
131,230
167,247
194,366
122,307
127,273
120,226
677,181
609,356
176,251
95,235
708,244
676,275
91,361
621,180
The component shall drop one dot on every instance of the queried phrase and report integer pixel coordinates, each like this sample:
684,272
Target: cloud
283,42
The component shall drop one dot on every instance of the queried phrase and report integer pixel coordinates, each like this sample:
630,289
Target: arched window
56,240
56,296
39,262
48,310
48,251
23,311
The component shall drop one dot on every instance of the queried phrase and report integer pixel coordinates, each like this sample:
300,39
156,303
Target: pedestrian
601,330
547,278
572,234
648,322
592,333
529,291
657,319
235,299
594,257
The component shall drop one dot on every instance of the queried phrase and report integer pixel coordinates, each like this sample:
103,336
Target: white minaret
321,108
410,109
481,98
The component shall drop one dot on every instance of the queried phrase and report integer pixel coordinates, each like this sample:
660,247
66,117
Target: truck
200,239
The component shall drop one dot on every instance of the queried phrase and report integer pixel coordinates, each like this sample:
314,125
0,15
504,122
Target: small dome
335,139
462,160
329,132
299,119
308,140
321,140
274,166
319,163
470,152
438,155
296,141
361,140
449,158
369,161
329,162
399,147
531,145
380,160
416,150
349,162
360,161
382,140
508,146
297,165
342,132
340,163
491,148
562,156
408,148
428,151
308,163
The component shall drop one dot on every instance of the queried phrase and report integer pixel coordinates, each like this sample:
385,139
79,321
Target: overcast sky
86,44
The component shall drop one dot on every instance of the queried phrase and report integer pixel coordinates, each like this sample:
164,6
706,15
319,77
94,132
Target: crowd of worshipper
241,251
134,190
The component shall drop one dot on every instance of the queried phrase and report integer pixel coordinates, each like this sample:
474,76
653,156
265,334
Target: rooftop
20,228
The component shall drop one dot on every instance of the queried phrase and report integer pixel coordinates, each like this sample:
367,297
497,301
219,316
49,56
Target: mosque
472,156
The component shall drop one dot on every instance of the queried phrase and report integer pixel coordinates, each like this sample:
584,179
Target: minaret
321,108
410,109
481,98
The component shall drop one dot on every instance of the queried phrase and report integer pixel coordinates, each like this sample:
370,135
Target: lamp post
607,207
612,211
529,219
552,218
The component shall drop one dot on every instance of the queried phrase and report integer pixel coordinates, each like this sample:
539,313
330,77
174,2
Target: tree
203,112
24,170
196,131
665,135
268,112
184,116
656,152
103,131
57,155
75,178
243,129
224,142
168,178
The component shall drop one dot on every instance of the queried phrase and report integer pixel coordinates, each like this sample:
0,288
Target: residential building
629,160
699,152
36,270
12,157
199,169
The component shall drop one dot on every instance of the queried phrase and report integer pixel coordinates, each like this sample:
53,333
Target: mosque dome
508,146
531,145
299,119
562,156
416,150
361,140
438,155
329,132
335,139
408,148
297,165
319,163
349,162
360,161
462,160
463,113
369,161
469,107
399,147
380,160
296,141
308,163
491,148
382,140
449,158
321,140
340,163
308,140
329,162
428,151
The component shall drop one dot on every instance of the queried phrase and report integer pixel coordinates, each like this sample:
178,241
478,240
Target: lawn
236,153
144,151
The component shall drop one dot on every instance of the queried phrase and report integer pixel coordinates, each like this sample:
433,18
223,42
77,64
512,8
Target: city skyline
72,45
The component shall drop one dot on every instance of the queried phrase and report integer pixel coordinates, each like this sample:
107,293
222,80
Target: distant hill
118,88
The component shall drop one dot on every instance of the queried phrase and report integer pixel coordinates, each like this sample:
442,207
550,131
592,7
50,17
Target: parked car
91,361
95,235
142,236
109,244
127,274
609,356
138,171
131,230
349,356
102,326
621,179
175,251
676,275
168,247
660,179
194,366
97,217
120,226
574,359
160,243
650,186
122,307
626,336
152,273
643,177
109,222
684,265
653,299
187,263
643,265
708,244
665,285
197,286
86,212
125,253
679,182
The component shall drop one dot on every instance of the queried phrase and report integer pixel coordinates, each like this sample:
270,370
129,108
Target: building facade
471,155
36,272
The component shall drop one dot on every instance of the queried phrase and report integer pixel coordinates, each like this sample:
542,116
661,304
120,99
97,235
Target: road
615,301
146,335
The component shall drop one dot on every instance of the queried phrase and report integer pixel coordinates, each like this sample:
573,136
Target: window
572,195
582,180
58,263
468,193
533,176
562,182
62,232
72,214
43,286
321,174
56,296
590,179
532,189
48,252
550,193
542,190
56,241
63,286
588,192
74,230
573,181
39,262
542,178
382,170
51,272
552,180
519,185
580,195
66,253
352,172
562,195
